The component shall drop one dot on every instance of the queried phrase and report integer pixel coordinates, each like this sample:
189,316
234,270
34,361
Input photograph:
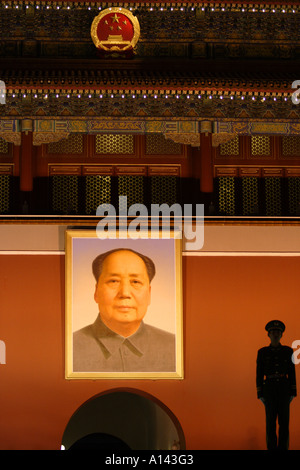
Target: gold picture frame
86,356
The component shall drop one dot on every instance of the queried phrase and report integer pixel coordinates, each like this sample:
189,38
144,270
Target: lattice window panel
227,195
250,198
97,191
294,195
114,144
232,147
4,193
273,196
291,145
4,148
157,144
260,145
164,190
72,145
65,194
131,186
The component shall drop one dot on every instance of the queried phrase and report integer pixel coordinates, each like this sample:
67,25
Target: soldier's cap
275,325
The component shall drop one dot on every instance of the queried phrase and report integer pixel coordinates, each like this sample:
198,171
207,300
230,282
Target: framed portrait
123,307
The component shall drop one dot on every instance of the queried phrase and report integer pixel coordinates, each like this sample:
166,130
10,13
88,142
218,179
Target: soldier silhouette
276,385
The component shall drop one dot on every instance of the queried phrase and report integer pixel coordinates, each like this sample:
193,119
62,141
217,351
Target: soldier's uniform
276,384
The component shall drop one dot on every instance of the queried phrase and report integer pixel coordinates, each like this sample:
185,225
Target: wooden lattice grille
260,145
97,191
164,189
70,146
114,144
232,147
65,194
4,194
250,198
4,149
291,145
157,144
132,187
273,196
294,195
226,195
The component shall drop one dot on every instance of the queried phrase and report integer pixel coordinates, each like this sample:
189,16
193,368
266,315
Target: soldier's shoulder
263,350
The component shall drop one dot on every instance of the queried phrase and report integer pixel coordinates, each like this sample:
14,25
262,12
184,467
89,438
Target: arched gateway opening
121,419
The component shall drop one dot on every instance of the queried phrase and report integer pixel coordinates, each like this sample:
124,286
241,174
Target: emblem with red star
115,29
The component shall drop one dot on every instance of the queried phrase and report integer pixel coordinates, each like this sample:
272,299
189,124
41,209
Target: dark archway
100,441
128,416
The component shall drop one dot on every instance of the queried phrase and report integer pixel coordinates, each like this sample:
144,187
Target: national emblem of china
115,30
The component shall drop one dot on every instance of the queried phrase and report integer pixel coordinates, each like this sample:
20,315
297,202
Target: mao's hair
98,262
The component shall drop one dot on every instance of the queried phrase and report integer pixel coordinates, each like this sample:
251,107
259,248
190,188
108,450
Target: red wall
227,302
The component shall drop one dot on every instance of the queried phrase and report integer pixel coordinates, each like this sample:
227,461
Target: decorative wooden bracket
40,138
191,138
11,137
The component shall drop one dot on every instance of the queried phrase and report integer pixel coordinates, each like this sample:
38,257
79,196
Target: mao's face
123,290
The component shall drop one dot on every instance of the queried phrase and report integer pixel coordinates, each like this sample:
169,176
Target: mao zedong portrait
119,340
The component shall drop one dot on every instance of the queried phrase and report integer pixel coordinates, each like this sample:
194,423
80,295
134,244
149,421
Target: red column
26,157
206,165
203,158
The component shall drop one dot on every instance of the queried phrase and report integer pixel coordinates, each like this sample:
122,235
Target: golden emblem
115,29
